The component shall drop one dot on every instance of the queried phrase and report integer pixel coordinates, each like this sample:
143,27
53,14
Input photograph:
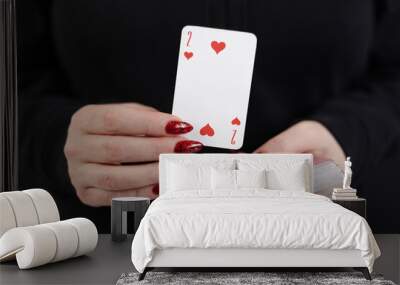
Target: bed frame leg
143,274
364,271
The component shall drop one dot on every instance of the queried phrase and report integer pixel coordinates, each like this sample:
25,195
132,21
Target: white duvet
250,218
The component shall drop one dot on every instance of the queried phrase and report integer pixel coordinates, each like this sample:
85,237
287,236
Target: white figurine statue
347,174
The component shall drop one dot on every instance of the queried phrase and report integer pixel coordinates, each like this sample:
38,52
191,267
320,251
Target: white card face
215,69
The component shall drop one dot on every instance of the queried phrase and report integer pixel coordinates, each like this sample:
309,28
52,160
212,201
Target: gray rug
231,278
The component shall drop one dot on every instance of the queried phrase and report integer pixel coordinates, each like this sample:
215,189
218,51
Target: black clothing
334,61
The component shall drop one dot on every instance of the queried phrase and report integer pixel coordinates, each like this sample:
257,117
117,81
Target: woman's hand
306,137
112,150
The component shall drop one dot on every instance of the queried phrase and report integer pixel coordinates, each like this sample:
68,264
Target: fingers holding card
212,89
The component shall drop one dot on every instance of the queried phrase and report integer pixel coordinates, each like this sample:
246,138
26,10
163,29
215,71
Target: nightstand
119,208
358,205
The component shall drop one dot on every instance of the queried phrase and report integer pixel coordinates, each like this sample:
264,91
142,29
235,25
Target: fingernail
178,127
156,189
188,146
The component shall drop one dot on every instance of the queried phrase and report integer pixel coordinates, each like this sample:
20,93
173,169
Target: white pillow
181,177
281,174
234,179
290,179
223,179
186,174
251,178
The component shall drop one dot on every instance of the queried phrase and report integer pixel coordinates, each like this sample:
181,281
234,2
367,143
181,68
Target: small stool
119,208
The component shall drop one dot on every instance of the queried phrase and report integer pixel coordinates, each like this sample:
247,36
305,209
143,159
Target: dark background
8,97
334,61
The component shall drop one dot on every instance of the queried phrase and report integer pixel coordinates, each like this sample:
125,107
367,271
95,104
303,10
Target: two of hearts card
212,89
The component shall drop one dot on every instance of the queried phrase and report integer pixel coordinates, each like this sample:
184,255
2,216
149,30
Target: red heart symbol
235,121
207,130
188,54
217,46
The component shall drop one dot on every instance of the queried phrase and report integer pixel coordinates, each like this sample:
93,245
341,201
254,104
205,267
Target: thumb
292,140
306,137
299,138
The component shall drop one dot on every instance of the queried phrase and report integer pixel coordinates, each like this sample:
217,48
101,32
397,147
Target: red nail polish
156,189
188,146
178,127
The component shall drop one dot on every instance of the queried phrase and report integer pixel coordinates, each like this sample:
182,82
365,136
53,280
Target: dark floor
389,262
106,264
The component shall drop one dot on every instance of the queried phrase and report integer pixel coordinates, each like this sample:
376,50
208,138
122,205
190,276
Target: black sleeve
45,103
365,119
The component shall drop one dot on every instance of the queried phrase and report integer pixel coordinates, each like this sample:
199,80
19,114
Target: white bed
249,227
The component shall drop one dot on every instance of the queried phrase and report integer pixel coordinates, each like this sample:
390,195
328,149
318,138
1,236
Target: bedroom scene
199,142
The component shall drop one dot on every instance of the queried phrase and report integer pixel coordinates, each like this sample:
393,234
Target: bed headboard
199,158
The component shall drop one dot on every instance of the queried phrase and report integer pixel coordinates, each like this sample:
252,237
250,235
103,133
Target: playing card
213,81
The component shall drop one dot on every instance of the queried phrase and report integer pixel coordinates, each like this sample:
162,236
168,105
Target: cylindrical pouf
67,239
87,235
7,218
45,205
40,244
33,246
23,208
